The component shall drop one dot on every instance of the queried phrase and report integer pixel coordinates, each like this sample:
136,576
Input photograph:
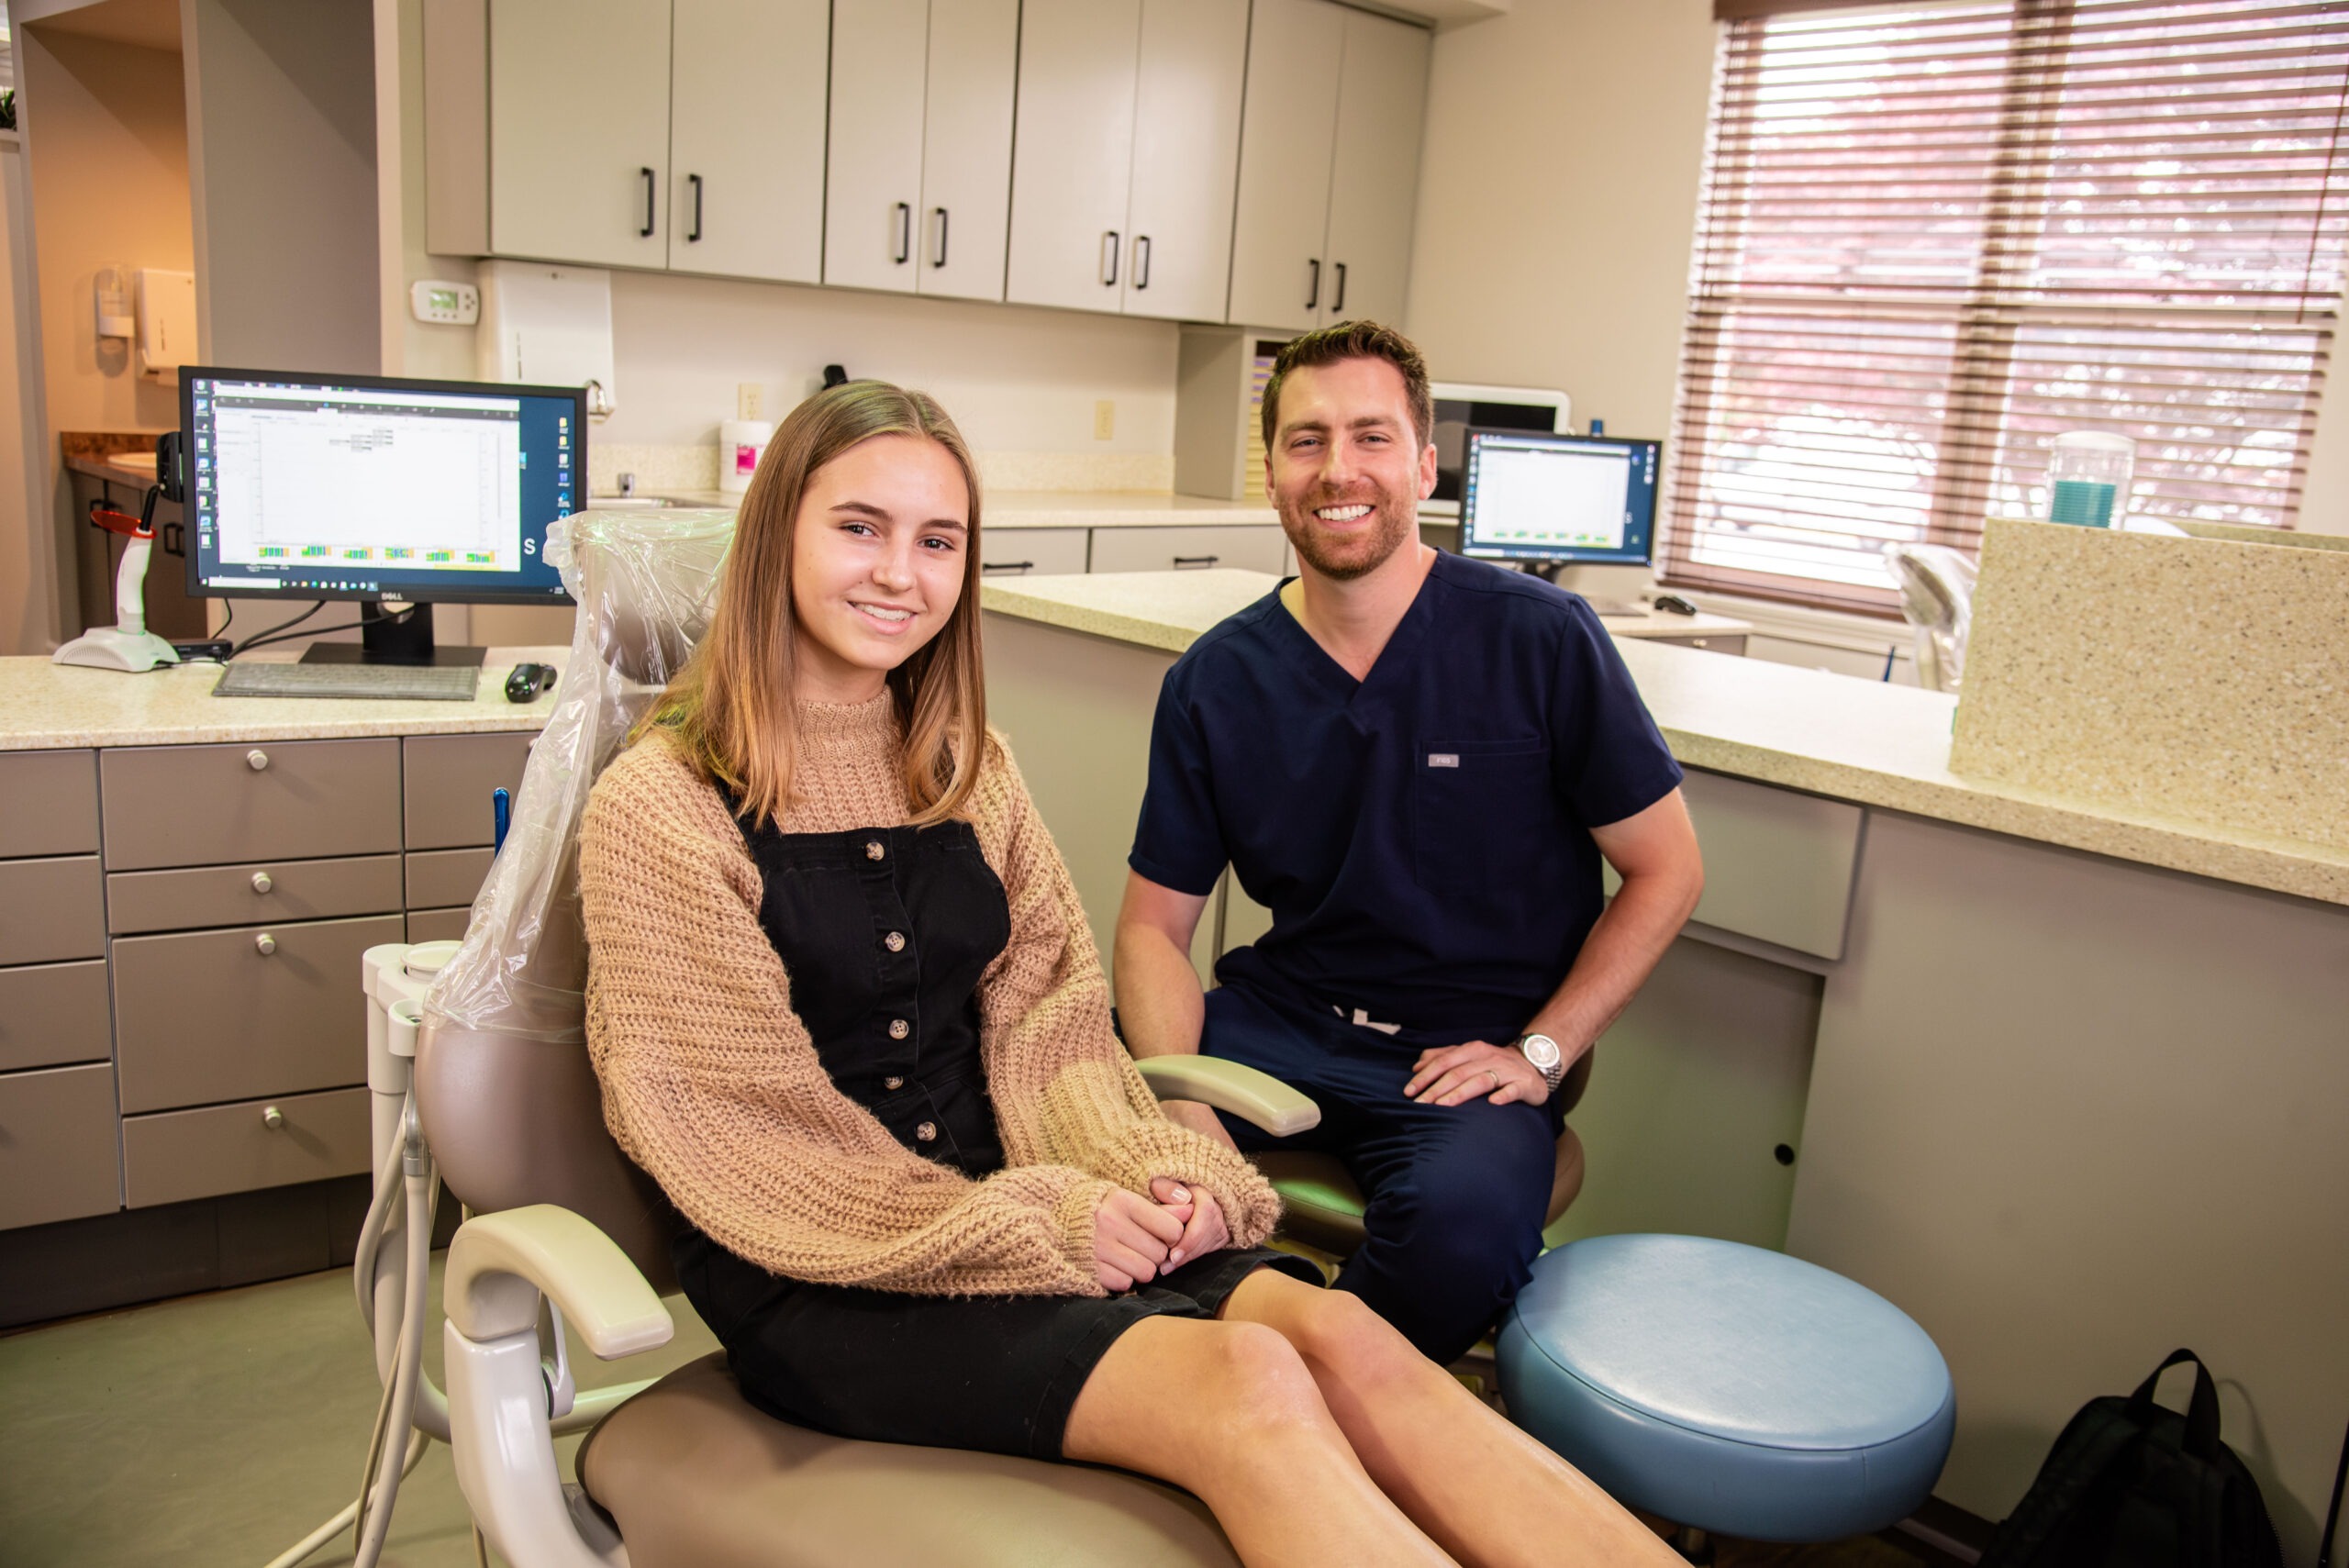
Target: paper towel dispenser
547,326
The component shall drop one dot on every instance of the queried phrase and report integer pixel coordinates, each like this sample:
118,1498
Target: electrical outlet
749,398
1105,420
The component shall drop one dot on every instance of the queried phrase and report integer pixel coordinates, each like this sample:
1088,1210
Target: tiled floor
219,1429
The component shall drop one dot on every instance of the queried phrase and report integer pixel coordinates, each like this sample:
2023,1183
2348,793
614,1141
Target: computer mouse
528,681
1672,604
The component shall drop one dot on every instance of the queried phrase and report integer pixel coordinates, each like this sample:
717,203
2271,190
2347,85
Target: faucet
628,484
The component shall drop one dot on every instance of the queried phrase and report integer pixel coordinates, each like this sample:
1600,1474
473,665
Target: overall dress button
893,1083
895,942
927,1131
899,1029
873,851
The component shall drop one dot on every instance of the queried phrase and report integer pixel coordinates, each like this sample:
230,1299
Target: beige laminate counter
1870,743
46,707
1057,508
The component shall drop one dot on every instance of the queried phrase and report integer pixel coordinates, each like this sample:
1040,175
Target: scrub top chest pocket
1485,813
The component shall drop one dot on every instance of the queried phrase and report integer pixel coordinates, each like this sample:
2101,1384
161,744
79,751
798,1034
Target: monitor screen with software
1586,500
306,487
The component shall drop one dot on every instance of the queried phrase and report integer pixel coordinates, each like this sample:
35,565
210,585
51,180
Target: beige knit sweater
712,1084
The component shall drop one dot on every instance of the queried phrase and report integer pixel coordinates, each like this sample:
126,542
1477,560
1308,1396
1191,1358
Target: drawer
48,802
58,1151
54,1013
1020,553
1714,642
51,910
1778,865
140,901
438,878
181,1155
209,1016
1255,547
439,925
208,805
450,779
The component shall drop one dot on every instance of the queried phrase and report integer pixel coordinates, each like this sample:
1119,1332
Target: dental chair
1936,586
683,1472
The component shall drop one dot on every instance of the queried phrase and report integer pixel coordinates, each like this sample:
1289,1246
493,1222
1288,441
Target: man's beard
1345,560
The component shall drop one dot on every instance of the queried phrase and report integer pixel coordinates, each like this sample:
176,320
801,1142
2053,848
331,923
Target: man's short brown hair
1354,341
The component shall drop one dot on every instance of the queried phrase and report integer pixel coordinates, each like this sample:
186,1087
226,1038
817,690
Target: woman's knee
1255,1379
1341,1332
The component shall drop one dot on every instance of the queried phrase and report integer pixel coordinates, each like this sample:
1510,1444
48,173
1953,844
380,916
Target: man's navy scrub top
1422,837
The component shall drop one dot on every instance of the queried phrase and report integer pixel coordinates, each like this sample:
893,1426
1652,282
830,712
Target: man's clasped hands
1136,1239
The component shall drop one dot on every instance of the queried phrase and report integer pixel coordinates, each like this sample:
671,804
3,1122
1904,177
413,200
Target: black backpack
2132,1485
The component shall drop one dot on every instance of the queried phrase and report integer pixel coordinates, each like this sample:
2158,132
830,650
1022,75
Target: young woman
846,1010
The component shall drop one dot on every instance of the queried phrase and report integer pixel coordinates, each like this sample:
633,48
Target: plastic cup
2087,478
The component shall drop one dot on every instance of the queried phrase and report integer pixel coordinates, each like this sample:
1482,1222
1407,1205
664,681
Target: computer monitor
379,491
1583,500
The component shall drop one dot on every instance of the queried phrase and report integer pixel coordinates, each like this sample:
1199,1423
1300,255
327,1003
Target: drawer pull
257,759
273,1119
261,883
264,944
1186,563
1023,566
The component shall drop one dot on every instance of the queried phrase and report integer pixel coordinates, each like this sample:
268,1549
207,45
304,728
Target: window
1930,239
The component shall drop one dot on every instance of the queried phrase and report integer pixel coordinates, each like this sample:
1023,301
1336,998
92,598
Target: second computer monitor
1571,499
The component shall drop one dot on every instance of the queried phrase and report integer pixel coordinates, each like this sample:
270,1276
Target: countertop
1052,509
46,707
1863,742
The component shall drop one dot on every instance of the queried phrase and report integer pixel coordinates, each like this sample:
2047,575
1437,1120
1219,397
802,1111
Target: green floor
219,1429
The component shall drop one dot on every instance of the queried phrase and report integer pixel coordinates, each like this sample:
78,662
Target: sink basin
623,504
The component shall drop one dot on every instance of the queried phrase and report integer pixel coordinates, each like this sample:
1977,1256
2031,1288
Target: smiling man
1417,763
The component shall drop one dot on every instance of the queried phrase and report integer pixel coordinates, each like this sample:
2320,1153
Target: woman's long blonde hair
731,709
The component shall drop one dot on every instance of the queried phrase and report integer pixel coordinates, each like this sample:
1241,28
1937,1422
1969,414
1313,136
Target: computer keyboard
419,682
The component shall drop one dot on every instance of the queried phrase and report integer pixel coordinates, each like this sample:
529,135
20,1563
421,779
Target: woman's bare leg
1229,1412
1488,1493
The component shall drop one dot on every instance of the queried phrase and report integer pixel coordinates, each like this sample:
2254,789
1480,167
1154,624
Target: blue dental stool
1732,1390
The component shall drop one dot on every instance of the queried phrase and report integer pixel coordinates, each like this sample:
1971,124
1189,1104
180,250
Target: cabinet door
1288,130
1074,152
1375,179
966,148
1187,158
746,139
579,130
873,195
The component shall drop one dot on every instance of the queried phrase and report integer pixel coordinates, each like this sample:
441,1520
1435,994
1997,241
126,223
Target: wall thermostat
444,304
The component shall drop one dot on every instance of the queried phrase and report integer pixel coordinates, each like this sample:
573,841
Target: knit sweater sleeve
711,1082
1065,1091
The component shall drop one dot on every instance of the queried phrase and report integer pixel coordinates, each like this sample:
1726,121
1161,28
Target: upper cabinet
1329,165
746,137
684,134
921,161
1128,146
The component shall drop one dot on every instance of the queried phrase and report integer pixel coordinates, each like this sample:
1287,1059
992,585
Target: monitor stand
394,638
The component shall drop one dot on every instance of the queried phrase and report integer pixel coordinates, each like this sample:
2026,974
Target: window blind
1930,239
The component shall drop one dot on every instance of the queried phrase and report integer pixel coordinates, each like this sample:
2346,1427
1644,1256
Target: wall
282,134
29,610
1558,205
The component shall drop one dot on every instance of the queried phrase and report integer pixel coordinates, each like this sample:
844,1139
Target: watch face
1541,1050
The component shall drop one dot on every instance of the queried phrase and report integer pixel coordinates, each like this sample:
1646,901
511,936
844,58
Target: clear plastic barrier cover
644,582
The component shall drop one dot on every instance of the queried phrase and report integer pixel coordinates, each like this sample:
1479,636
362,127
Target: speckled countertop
1060,508
1871,744
46,707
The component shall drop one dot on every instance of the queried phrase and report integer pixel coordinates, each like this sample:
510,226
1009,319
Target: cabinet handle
1109,259
941,259
987,566
261,883
1338,299
1141,260
1313,289
904,233
695,238
264,944
646,232
257,759
273,1119
1187,562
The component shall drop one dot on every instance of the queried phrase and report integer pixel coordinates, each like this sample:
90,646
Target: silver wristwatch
1547,1059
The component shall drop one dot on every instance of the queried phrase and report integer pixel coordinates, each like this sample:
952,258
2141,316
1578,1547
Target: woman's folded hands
1136,1239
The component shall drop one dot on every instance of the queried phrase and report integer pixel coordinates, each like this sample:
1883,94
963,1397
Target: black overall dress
885,932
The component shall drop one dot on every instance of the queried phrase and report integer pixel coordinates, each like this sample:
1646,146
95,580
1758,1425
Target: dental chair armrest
1258,1098
500,1263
